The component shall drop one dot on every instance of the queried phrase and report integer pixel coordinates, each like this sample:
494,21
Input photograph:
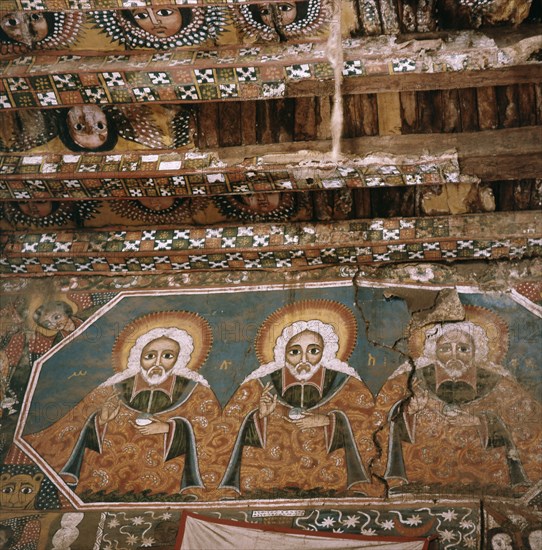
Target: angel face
161,22
36,209
157,203
87,126
286,13
24,28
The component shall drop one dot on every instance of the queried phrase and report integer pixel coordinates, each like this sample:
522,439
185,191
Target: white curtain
208,534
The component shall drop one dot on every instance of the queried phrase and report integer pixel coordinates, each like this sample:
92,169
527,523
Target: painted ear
38,478
4,477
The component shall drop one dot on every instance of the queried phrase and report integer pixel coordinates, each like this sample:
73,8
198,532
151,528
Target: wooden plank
248,124
389,113
507,104
488,116
305,119
451,111
469,109
409,112
264,122
369,113
352,125
284,121
207,115
527,105
425,112
323,117
230,120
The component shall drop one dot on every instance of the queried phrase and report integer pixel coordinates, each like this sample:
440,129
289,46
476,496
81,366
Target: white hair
329,353
476,332
186,347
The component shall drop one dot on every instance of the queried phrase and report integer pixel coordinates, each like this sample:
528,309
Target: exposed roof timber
514,153
411,82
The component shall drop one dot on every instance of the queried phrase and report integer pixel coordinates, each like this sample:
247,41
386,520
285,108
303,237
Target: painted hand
109,410
155,427
268,403
311,420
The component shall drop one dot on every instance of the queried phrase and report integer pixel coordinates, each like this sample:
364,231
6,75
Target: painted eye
78,126
10,22
36,17
164,12
168,355
100,126
314,351
265,11
285,7
141,15
150,356
294,352
464,349
57,317
27,490
7,490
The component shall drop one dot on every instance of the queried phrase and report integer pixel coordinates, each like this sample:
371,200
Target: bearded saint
304,416
464,403
142,429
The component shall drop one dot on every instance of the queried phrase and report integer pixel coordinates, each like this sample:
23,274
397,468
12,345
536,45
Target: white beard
455,367
303,371
159,375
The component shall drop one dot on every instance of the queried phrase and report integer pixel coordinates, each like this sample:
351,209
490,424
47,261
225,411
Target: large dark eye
27,490
11,22
141,15
100,126
265,11
164,12
285,7
35,17
7,490
78,126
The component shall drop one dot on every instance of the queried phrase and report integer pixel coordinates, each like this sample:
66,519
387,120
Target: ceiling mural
304,392
273,266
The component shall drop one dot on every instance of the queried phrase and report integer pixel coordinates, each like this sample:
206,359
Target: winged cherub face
87,126
161,22
24,28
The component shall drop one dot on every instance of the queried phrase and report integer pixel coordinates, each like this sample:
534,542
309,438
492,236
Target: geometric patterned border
101,175
228,72
263,246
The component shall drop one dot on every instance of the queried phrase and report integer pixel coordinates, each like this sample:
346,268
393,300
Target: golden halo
194,324
339,316
493,324
38,300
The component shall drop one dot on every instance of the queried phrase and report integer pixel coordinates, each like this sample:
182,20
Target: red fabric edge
260,527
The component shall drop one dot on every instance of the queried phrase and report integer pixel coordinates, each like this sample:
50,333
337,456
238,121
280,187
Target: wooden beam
410,82
509,154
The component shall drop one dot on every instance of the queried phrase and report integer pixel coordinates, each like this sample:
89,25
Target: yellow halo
339,316
494,326
194,324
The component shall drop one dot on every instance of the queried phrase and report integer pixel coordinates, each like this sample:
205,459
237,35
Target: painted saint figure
465,402
304,413
139,430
